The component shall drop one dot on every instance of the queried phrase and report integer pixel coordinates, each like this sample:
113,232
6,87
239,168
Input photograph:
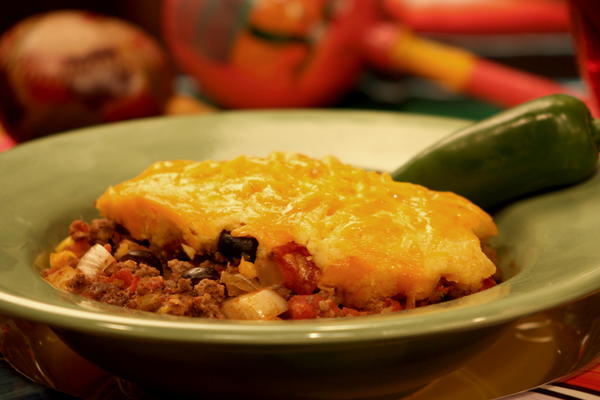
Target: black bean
144,257
234,248
196,274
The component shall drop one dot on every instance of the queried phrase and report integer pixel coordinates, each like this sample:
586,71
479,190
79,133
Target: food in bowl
279,237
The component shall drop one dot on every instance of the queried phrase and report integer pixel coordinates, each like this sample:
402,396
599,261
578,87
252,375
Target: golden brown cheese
371,237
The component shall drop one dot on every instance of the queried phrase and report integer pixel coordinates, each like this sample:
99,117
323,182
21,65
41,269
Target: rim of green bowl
354,329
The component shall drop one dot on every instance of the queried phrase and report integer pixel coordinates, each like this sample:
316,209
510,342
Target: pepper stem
596,132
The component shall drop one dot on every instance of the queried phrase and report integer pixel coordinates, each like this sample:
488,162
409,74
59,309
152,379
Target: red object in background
585,15
481,17
269,53
395,48
6,142
307,53
68,69
508,87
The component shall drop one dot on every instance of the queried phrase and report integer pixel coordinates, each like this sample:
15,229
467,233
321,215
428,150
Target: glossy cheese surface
371,237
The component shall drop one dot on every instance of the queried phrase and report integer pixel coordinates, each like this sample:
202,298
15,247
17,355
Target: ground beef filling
176,280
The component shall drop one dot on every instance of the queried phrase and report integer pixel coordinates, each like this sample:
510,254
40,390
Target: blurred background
66,64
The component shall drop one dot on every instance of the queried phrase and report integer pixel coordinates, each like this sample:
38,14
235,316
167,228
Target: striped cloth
585,386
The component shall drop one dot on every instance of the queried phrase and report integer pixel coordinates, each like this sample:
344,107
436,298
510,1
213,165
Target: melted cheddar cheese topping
372,238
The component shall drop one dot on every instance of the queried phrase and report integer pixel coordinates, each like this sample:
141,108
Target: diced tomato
297,269
352,312
391,305
79,247
304,306
488,283
78,229
134,283
129,280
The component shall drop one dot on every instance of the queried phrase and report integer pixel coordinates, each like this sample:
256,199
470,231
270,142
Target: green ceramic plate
548,246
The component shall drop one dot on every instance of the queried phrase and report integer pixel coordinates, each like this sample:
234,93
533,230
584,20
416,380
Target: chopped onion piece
95,260
189,251
264,304
238,283
247,269
61,277
268,273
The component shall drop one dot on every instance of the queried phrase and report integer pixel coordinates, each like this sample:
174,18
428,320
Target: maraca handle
508,87
481,17
394,47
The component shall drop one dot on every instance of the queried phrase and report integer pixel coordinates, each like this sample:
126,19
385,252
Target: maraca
306,53
68,69
269,53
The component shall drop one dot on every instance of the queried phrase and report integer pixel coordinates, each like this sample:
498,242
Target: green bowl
548,248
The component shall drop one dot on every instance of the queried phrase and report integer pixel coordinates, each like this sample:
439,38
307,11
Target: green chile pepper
543,144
